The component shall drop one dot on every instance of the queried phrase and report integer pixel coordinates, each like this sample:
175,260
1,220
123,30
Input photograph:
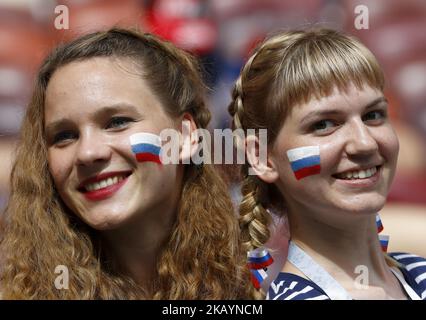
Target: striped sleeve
291,287
415,271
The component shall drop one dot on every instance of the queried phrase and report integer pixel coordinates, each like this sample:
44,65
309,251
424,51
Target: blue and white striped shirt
288,286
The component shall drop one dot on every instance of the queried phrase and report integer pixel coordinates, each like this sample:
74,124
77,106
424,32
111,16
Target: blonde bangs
316,64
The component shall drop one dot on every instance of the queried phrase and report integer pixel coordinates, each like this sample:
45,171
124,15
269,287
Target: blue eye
63,137
374,116
118,122
323,126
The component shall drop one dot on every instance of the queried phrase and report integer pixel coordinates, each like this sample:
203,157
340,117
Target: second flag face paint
304,161
146,147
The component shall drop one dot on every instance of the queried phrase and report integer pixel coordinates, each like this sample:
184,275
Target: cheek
330,156
57,168
283,166
390,145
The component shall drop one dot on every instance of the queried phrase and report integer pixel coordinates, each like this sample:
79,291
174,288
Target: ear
261,165
189,139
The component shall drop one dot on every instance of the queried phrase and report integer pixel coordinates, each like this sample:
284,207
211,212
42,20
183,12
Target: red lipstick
103,193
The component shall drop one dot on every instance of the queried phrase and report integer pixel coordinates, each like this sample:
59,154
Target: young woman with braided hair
90,195
331,157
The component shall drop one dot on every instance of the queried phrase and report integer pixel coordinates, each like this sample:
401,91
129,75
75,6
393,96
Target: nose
360,140
92,149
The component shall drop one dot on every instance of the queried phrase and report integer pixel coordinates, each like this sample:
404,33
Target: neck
344,248
135,248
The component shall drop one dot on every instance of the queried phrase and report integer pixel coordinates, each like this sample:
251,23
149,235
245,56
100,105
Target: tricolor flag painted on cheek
304,161
146,146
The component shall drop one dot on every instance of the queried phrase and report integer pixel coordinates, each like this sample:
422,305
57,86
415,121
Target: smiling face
92,108
358,153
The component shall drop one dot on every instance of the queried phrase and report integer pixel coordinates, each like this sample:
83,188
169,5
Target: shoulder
288,286
411,262
414,270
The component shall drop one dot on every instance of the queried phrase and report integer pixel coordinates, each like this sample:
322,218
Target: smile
357,174
363,178
104,185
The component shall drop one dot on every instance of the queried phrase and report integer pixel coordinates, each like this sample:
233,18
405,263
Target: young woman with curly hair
125,227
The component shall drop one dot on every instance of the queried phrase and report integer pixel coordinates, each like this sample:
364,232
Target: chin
106,222
367,208
103,226
364,205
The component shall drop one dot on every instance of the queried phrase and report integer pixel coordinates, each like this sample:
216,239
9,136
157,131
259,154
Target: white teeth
360,174
104,183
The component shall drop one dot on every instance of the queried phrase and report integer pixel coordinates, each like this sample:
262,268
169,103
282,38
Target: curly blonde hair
202,258
285,70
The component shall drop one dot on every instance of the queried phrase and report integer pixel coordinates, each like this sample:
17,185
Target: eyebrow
316,113
115,108
98,114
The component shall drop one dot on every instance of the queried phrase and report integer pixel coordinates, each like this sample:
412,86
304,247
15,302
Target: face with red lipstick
92,108
358,153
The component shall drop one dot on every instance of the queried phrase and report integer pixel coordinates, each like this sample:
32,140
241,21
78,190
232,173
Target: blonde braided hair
285,70
254,218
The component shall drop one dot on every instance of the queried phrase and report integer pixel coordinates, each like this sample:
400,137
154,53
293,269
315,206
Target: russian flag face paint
304,161
146,147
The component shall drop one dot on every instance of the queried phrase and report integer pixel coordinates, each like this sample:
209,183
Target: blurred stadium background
221,33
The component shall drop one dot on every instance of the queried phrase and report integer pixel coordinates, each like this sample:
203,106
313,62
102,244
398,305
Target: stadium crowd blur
221,33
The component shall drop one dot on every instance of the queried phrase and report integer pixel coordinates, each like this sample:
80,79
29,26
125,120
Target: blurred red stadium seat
24,42
409,189
93,15
186,23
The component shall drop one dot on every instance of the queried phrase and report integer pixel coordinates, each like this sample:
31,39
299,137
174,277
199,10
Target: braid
239,109
254,219
236,108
